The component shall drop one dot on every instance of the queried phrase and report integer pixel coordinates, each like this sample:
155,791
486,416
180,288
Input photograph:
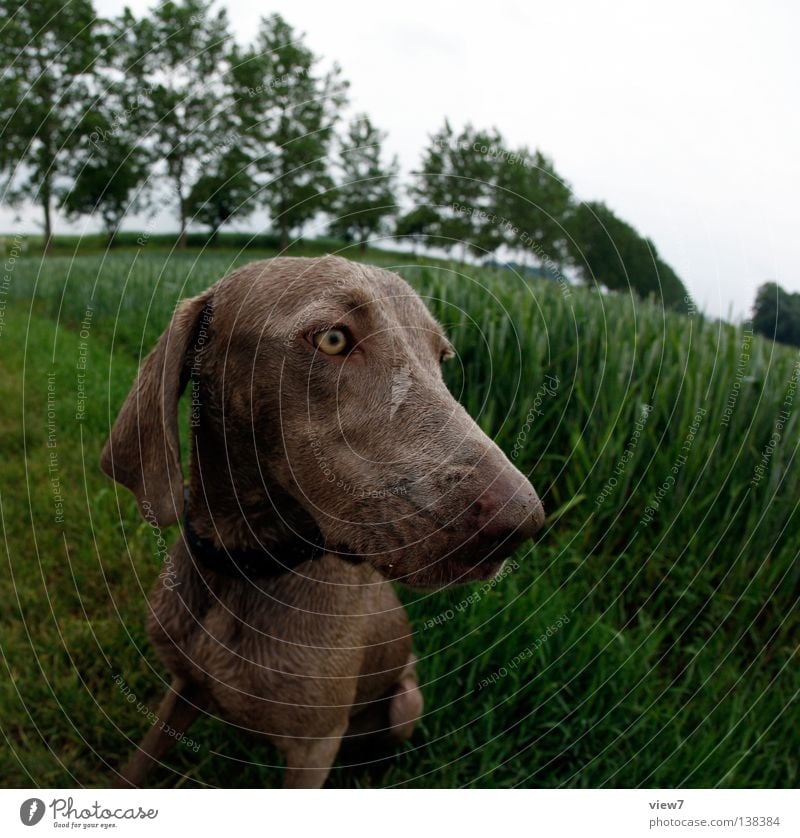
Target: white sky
682,116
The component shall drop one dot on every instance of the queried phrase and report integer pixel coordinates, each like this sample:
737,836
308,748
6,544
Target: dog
327,459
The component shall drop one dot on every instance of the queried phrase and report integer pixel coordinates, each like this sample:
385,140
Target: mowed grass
628,648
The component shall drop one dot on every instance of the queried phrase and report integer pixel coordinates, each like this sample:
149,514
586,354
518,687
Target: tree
536,201
366,195
287,113
225,190
50,49
776,314
108,182
179,57
608,251
456,184
109,167
415,224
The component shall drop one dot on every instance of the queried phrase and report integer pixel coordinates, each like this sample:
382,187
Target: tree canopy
366,195
287,111
108,117
776,314
608,251
46,101
178,54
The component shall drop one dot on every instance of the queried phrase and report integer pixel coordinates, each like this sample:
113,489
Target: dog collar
250,562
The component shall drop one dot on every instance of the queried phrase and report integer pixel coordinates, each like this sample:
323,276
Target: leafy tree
108,183
415,224
287,112
537,202
178,56
50,49
366,196
456,185
225,190
109,166
608,251
776,314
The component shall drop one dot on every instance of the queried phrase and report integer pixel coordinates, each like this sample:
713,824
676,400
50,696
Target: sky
682,116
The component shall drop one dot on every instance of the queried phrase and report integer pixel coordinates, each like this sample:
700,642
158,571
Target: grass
671,660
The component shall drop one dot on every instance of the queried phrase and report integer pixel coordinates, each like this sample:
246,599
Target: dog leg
178,709
405,703
309,761
390,720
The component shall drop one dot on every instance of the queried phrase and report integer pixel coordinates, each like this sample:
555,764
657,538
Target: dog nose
508,508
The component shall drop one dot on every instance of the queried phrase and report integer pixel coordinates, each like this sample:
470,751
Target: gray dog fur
366,452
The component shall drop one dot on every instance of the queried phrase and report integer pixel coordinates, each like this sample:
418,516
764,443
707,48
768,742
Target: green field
665,448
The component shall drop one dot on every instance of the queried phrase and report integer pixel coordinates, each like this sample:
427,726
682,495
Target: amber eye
331,341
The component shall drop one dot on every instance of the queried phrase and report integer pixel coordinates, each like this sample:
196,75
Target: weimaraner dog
327,457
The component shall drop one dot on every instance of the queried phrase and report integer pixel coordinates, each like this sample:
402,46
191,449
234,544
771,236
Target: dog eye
331,341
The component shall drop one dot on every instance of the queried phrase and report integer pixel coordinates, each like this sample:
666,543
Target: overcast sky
682,116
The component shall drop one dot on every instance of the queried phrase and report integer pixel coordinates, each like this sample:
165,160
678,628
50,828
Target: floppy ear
143,451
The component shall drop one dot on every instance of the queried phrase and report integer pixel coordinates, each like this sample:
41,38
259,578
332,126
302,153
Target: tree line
104,117
776,314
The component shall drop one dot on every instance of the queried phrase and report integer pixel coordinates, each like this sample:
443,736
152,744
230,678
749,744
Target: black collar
250,562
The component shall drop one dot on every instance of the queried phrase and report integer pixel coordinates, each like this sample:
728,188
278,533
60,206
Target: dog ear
143,450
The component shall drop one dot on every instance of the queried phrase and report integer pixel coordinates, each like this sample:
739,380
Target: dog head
319,412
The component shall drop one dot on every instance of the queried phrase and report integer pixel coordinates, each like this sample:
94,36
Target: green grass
677,665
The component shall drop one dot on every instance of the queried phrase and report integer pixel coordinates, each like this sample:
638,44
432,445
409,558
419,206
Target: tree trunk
362,246
48,221
178,179
284,237
182,234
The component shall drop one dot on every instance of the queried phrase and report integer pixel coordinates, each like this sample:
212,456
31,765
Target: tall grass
673,555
